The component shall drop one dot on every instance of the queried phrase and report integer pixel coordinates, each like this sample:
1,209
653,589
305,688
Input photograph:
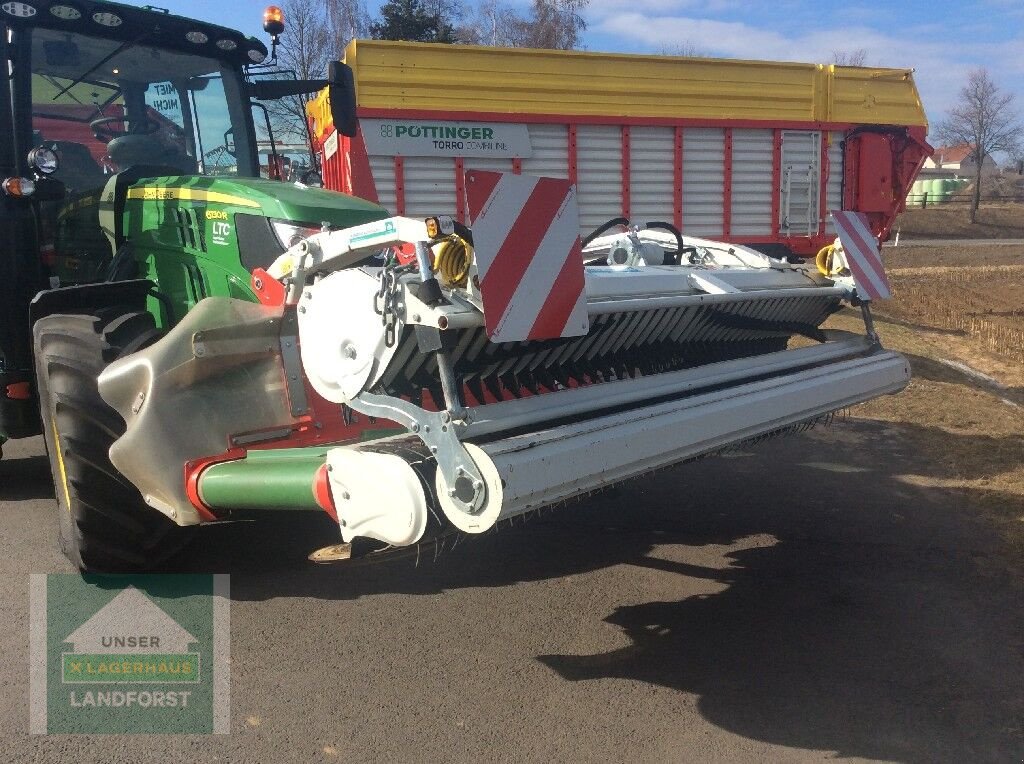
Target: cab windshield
105,106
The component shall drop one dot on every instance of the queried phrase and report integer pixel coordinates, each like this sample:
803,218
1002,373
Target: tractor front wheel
105,525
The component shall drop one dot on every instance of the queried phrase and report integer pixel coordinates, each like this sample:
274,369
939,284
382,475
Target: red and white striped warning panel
863,255
526,236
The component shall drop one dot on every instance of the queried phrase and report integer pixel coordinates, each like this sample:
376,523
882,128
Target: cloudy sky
942,39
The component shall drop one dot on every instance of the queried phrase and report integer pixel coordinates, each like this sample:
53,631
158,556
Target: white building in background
956,161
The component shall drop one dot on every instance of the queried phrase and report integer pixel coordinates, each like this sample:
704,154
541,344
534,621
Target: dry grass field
982,302
996,220
973,296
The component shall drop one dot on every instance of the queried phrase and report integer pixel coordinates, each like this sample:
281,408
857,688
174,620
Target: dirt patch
917,256
972,297
996,220
985,303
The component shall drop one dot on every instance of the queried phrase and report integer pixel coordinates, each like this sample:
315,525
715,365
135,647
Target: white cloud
600,8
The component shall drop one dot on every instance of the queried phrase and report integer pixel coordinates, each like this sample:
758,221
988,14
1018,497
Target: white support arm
332,250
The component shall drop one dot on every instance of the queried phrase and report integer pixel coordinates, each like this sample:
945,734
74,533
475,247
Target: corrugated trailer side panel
648,172
703,173
834,200
752,187
599,174
429,186
749,152
550,157
384,179
652,175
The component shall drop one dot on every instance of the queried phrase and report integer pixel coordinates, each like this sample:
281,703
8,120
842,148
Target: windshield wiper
126,45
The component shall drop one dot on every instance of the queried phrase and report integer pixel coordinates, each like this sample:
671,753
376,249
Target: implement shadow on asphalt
807,648
880,624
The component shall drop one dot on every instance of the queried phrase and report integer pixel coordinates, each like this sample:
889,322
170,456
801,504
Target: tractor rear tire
104,523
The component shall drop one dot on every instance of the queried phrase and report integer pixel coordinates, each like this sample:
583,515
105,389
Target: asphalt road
795,602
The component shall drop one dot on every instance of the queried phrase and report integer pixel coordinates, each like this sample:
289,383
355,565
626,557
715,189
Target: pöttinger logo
123,654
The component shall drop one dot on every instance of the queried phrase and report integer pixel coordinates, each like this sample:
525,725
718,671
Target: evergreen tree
410,20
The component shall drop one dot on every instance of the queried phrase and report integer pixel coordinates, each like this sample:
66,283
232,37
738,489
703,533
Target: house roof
952,154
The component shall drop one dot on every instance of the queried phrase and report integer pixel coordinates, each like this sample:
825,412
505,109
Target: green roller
914,197
924,197
280,479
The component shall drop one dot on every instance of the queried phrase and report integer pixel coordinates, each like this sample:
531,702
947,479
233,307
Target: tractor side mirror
342,94
341,91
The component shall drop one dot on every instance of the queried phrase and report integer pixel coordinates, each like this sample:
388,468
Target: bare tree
317,33
986,120
557,24
553,24
497,25
1017,159
856,57
686,49
347,20
307,46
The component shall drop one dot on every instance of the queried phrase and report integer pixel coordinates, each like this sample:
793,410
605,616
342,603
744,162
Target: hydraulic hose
607,226
452,260
671,258
824,259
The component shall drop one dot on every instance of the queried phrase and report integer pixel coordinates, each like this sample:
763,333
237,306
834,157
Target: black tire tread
110,426
108,527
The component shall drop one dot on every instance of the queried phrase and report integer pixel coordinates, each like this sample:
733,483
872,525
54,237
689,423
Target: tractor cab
128,134
120,90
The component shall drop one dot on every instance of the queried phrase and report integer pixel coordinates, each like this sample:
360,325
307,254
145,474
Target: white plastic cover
341,336
377,496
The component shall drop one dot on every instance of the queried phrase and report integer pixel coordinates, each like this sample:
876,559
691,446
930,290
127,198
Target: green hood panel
271,198
198,237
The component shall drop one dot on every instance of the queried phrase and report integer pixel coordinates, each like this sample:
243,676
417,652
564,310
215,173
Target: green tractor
132,190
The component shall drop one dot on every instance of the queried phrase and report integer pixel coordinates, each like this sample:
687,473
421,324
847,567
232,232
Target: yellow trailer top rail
466,78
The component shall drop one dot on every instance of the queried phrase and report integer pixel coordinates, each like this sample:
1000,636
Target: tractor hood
255,196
